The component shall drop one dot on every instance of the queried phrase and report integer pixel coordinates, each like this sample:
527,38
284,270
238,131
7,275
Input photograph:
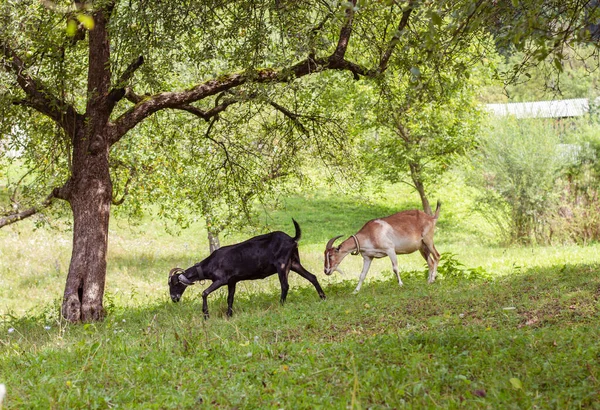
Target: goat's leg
394,258
230,295
366,264
282,271
427,256
431,256
299,269
435,260
214,286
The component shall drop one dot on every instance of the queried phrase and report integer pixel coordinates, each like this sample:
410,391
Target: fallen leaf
516,383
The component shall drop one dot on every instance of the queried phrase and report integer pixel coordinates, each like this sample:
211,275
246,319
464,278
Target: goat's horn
331,241
184,280
174,271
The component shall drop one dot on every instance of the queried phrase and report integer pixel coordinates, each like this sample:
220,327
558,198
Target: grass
522,341
524,336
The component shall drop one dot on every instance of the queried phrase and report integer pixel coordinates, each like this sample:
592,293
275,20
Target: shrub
451,268
577,218
516,168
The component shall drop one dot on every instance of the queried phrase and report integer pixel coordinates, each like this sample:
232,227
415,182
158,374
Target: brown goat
402,233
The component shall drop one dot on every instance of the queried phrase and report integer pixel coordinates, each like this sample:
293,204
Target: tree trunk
416,177
89,195
213,241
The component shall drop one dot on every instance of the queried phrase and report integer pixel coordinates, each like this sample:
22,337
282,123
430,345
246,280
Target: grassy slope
527,338
450,344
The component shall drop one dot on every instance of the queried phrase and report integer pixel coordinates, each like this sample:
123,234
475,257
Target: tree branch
205,115
20,215
151,104
116,94
291,115
345,32
38,97
385,58
132,174
181,99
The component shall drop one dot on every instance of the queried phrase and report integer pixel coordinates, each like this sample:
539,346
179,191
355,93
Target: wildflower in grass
47,327
11,329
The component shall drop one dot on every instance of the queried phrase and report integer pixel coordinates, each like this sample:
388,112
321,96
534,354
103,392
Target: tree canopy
204,104
80,76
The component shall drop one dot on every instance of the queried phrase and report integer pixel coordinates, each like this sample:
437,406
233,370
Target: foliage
184,45
578,215
426,112
516,167
549,33
451,268
249,156
578,78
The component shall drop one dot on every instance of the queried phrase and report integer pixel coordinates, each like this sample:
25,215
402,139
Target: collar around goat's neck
193,274
349,246
357,251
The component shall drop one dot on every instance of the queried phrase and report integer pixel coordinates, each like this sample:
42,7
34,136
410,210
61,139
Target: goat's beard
339,270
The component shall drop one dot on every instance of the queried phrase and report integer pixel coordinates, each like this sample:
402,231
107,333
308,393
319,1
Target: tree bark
89,190
89,195
416,177
213,241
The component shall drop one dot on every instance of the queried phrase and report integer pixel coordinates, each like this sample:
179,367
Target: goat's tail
296,238
437,210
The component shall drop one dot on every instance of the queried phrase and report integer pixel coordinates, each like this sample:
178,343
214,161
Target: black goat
256,258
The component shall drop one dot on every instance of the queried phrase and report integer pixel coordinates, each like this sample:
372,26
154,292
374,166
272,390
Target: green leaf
516,383
436,18
87,21
558,64
71,28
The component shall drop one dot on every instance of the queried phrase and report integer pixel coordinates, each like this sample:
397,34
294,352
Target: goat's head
177,283
333,257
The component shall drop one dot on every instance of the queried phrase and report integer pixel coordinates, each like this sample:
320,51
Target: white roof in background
542,109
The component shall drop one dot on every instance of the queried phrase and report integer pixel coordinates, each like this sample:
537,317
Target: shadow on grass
537,297
560,295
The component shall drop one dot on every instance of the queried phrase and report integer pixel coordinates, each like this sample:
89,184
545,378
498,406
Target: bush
450,268
577,218
516,168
